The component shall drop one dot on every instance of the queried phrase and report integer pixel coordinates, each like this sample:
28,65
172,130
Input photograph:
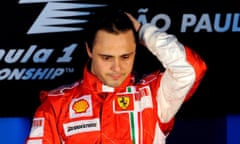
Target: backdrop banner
42,47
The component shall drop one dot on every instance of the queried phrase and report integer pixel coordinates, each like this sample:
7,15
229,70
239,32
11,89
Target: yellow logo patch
80,106
123,102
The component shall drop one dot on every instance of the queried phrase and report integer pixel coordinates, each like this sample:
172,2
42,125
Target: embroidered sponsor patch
143,99
124,102
137,101
37,127
81,106
81,126
39,141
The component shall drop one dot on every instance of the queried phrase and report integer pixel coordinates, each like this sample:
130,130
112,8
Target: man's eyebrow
131,52
128,53
100,54
105,55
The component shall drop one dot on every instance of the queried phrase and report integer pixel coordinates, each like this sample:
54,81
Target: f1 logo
58,15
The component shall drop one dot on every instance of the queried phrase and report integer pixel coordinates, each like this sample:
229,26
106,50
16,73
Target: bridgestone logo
81,126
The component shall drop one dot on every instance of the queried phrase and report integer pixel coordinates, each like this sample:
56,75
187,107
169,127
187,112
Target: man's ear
88,50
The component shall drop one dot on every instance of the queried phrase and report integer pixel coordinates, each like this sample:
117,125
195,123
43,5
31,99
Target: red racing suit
89,112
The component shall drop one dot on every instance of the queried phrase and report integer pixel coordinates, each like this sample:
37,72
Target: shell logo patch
80,106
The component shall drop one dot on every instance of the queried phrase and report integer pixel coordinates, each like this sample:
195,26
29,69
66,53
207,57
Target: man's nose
116,67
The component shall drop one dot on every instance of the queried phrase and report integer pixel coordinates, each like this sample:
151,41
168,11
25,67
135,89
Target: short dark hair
109,19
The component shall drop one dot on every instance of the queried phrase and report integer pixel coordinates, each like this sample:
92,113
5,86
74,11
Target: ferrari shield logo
123,102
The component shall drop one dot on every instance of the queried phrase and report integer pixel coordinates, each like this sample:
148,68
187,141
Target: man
108,106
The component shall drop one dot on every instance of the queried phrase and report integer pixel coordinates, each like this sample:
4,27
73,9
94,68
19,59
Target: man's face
113,56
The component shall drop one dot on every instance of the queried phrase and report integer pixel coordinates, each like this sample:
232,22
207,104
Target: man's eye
125,56
106,57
